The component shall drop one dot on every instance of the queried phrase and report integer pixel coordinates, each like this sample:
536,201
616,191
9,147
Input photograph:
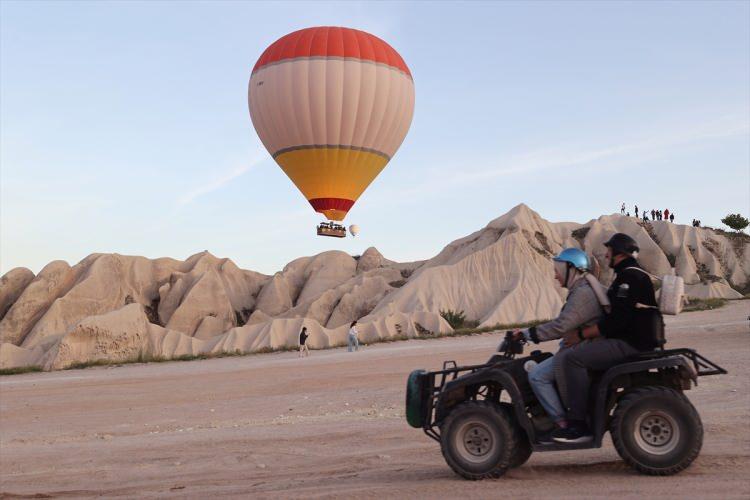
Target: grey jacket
580,309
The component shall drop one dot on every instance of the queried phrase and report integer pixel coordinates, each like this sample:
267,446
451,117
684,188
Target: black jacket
626,322
303,337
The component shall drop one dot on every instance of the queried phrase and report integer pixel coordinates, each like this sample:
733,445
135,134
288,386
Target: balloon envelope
354,229
332,106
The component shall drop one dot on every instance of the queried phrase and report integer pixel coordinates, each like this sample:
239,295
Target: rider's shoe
576,432
546,437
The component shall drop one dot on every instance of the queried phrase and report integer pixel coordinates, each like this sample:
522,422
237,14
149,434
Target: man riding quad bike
487,418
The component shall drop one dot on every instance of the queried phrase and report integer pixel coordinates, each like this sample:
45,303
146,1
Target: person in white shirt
352,339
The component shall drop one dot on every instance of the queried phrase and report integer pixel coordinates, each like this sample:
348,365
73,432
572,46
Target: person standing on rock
636,211
303,350
671,217
629,328
352,339
622,208
653,214
584,306
666,214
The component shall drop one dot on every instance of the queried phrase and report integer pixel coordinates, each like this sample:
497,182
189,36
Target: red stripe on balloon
342,204
328,41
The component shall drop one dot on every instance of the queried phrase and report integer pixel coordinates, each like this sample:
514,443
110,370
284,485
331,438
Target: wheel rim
656,432
474,442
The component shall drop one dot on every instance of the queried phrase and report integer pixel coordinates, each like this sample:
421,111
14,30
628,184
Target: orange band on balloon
331,172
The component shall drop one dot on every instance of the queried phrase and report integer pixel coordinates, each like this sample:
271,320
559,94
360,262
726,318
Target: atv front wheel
523,450
657,431
478,440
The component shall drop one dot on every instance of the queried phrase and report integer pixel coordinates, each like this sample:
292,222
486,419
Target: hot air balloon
354,230
331,105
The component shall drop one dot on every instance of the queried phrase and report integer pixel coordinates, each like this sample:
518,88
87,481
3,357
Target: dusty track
330,425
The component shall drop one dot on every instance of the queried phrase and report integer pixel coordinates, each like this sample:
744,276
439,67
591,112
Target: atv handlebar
509,347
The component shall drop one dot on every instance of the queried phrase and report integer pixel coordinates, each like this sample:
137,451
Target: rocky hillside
118,308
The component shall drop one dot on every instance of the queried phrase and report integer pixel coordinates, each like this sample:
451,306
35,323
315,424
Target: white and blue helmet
574,257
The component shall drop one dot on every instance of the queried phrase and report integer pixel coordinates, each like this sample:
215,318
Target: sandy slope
331,425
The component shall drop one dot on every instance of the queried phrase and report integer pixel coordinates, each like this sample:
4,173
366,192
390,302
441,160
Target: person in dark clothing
624,331
653,214
636,211
303,350
671,217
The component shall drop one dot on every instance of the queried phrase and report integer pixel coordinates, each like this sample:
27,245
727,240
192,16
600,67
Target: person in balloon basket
584,306
352,340
626,330
303,349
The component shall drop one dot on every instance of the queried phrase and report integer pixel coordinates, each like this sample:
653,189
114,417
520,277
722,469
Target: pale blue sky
125,125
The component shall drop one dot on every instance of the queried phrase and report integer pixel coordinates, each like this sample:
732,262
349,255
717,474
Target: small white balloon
354,229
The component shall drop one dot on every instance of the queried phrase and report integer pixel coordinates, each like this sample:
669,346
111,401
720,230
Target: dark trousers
571,370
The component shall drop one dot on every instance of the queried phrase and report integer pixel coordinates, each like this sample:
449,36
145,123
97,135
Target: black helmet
622,243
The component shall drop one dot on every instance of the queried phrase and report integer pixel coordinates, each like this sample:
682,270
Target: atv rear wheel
478,440
657,431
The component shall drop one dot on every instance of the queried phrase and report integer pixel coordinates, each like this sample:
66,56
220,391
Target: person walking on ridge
636,211
666,214
622,209
653,214
671,217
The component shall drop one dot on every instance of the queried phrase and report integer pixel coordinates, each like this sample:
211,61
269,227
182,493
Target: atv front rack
435,381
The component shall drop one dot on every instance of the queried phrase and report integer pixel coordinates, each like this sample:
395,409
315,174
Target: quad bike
486,417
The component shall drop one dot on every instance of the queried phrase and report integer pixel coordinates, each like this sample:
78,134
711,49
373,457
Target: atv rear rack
702,366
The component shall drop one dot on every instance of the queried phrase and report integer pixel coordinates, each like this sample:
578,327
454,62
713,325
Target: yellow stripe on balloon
331,172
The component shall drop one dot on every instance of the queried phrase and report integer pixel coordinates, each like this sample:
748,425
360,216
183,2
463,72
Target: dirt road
330,425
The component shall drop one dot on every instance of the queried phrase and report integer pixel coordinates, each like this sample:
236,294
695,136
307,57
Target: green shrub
704,304
456,319
735,221
20,369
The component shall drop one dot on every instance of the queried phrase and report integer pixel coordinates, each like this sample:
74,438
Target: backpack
671,297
